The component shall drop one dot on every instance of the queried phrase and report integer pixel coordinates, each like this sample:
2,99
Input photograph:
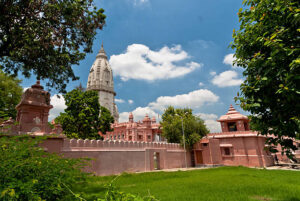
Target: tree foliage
47,37
81,118
172,120
27,172
10,95
267,47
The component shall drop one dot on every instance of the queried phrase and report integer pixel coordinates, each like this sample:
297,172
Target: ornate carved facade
101,80
146,131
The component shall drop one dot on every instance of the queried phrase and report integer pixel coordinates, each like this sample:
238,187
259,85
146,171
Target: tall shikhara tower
101,80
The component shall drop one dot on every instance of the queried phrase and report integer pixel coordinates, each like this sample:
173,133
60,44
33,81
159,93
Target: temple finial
102,45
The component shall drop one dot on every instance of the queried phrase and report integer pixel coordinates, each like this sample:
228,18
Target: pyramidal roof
232,114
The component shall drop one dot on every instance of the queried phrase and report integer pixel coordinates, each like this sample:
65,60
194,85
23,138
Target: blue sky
167,52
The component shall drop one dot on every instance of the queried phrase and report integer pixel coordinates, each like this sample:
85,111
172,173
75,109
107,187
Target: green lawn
224,183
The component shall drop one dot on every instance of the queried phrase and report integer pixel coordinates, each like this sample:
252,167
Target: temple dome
101,75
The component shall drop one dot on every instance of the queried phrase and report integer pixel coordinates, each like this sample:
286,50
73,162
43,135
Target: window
227,151
149,137
205,144
140,137
130,138
123,136
111,137
232,126
114,137
118,136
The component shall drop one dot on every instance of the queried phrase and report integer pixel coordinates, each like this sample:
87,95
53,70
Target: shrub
27,172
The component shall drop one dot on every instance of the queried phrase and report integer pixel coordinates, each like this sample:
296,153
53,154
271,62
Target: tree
267,47
10,95
81,118
194,128
47,37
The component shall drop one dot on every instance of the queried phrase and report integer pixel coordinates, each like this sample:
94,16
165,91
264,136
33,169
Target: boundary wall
115,157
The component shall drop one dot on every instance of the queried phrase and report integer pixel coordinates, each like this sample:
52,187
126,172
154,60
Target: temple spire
102,52
232,110
101,80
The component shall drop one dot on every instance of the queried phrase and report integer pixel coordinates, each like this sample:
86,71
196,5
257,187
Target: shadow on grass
292,199
263,198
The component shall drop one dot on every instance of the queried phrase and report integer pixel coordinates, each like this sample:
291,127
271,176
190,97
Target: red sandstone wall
114,157
245,151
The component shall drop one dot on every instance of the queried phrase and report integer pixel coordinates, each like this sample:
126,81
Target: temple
146,131
101,80
235,145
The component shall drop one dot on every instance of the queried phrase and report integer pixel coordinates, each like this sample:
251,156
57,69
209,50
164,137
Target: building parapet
99,144
234,134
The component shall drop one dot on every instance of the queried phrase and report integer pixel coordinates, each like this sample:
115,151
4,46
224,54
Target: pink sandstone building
137,147
235,145
146,131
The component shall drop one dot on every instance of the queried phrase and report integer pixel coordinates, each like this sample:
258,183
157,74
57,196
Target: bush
27,172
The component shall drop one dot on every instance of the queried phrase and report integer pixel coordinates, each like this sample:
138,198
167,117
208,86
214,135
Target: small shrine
33,110
32,114
234,121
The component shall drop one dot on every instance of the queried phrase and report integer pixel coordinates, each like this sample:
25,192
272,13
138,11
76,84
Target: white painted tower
101,79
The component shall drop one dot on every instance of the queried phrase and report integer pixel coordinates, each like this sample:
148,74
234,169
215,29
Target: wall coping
234,134
115,144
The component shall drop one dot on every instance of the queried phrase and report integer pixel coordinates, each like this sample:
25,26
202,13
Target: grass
215,184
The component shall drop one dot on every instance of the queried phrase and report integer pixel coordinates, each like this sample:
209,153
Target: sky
166,52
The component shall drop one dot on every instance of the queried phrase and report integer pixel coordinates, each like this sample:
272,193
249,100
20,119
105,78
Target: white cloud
58,106
25,88
201,84
119,100
138,114
213,125
139,2
228,60
213,73
210,122
227,79
141,63
202,43
206,116
130,101
193,100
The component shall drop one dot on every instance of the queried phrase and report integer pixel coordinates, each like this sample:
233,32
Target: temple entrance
156,161
199,157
